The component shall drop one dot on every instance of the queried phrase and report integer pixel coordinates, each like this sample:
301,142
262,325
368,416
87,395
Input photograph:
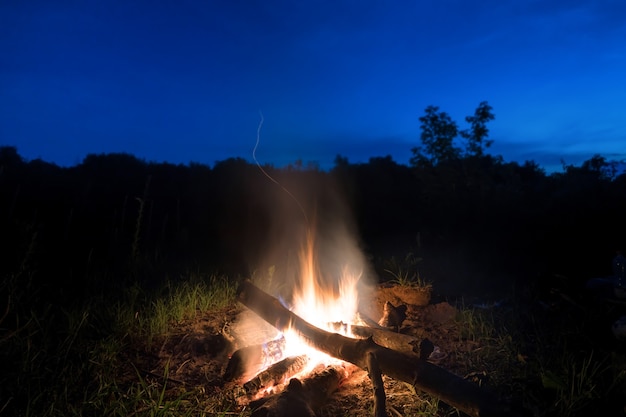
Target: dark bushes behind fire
477,216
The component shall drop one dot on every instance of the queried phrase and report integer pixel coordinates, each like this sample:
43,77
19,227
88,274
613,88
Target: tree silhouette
437,137
465,204
9,156
476,135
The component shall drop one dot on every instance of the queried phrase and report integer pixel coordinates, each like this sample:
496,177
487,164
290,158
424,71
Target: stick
380,408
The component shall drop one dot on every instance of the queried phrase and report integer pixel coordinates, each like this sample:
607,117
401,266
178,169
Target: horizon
620,165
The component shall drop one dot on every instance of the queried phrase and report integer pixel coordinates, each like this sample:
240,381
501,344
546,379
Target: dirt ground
195,353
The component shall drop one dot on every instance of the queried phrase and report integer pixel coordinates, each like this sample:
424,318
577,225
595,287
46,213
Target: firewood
373,370
250,359
422,375
276,374
400,342
301,398
367,320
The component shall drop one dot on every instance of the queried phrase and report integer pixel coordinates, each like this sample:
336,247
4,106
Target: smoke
314,237
308,230
314,217
308,210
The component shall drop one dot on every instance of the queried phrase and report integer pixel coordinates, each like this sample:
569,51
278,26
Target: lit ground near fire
508,347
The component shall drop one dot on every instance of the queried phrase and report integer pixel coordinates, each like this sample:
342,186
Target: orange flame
321,301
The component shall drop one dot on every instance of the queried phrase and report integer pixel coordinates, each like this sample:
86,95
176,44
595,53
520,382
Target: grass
475,325
64,362
146,317
405,271
548,357
575,382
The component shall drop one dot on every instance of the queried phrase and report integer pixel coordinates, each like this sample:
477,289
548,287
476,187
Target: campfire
321,338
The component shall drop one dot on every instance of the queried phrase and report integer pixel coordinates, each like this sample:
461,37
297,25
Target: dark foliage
475,217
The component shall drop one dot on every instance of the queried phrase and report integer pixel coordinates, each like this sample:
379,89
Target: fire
321,301
325,294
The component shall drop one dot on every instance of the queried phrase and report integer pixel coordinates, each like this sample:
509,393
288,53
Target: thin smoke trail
258,139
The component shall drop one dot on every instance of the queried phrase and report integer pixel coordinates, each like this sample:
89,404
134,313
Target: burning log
301,398
424,376
253,357
276,374
367,320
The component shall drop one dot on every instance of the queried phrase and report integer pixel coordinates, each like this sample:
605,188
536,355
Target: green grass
522,346
146,316
62,361
575,382
475,325
405,271
66,360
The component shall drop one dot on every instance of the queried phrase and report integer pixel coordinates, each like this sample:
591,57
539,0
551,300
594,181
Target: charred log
301,398
424,376
276,374
253,357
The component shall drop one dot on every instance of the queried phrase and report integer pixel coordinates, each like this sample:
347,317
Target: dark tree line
465,211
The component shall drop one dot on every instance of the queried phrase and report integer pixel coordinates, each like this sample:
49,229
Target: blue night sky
185,81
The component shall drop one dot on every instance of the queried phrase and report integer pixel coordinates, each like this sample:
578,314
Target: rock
412,296
441,312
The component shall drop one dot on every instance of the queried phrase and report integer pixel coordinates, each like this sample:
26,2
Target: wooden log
400,342
361,315
301,398
276,374
250,359
424,376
